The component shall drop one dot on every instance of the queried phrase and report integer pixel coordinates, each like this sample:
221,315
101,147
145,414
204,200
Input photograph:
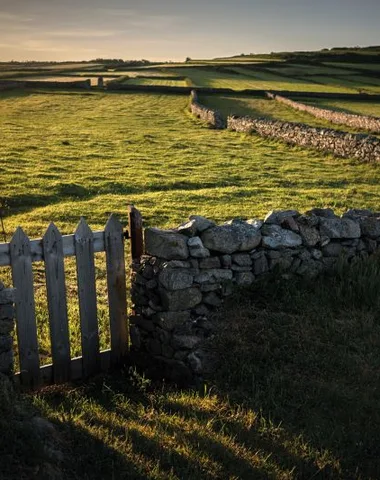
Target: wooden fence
21,252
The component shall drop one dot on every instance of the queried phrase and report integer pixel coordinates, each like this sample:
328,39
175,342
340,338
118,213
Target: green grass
156,81
295,396
257,107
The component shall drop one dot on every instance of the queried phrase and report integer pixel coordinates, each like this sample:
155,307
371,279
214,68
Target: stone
135,336
212,262
7,312
356,212
169,320
290,224
278,216
202,223
142,323
213,275
154,346
176,264
147,272
195,363
339,228
212,299
370,227
151,284
180,342
175,279
332,250
209,287
163,336
7,295
242,259
371,245
309,268
316,254
166,244
260,265
322,212
201,310
309,220
167,351
6,326
6,362
204,360
244,278
197,248
2,286
238,268
232,237
226,261
179,300
310,235
276,237
6,343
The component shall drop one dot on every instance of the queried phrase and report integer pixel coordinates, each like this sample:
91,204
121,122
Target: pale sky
173,30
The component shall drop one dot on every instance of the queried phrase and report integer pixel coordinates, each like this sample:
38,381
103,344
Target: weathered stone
232,237
147,272
151,284
213,275
2,286
339,228
197,248
7,312
212,299
176,264
5,343
276,237
6,362
135,337
242,259
209,287
356,213
238,268
167,350
290,224
201,310
260,265
201,223
169,320
322,212
310,236
195,363
304,255
309,268
332,250
180,342
370,227
309,220
163,336
371,245
175,279
272,254
7,295
244,278
166,244
154,346
142,323
278,216
179,300
212,262
226,261
203,360
316,254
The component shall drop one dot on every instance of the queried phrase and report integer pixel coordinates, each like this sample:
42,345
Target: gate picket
22,274
117,291
56,295
84,250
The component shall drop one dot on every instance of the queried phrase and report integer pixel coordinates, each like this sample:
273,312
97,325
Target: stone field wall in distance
208,115
361,122
186,272
340,144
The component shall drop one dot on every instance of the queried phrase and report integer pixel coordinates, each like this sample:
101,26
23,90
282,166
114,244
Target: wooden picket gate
21,252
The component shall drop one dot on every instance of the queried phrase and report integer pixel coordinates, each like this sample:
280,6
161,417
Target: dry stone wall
362,122
187,272
208,115
6,329
341,144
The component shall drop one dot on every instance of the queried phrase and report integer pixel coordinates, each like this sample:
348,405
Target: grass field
156,81
295,397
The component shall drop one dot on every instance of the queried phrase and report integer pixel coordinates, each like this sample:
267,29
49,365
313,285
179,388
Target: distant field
299,69
362,108
356,66
156,81
72,78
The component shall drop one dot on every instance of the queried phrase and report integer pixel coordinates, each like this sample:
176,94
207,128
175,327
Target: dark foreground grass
295,396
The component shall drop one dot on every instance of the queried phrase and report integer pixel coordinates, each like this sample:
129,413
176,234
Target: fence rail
20,253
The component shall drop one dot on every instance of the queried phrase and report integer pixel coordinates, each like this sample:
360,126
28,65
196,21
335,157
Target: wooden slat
84,249
22,275
56,293
135,233
36,248
76,369
117,290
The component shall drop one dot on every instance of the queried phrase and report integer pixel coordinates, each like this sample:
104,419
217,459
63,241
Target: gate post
135,230
6,329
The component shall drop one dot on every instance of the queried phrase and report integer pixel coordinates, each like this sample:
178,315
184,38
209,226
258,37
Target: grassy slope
295,396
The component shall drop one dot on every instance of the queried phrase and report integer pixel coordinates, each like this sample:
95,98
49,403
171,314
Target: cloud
74,33
13,17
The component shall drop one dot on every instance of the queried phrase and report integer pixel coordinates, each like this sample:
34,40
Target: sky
161,30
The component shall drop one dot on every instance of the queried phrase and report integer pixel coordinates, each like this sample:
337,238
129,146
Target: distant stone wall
188,271
208,115
341,144
6,329
362,122
12,84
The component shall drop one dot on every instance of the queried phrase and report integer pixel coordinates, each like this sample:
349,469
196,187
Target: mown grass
156,81
257,107
66,155
295,396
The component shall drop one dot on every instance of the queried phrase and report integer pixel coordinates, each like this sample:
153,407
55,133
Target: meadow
290,407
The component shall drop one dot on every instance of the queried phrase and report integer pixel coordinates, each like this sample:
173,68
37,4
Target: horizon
164,31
